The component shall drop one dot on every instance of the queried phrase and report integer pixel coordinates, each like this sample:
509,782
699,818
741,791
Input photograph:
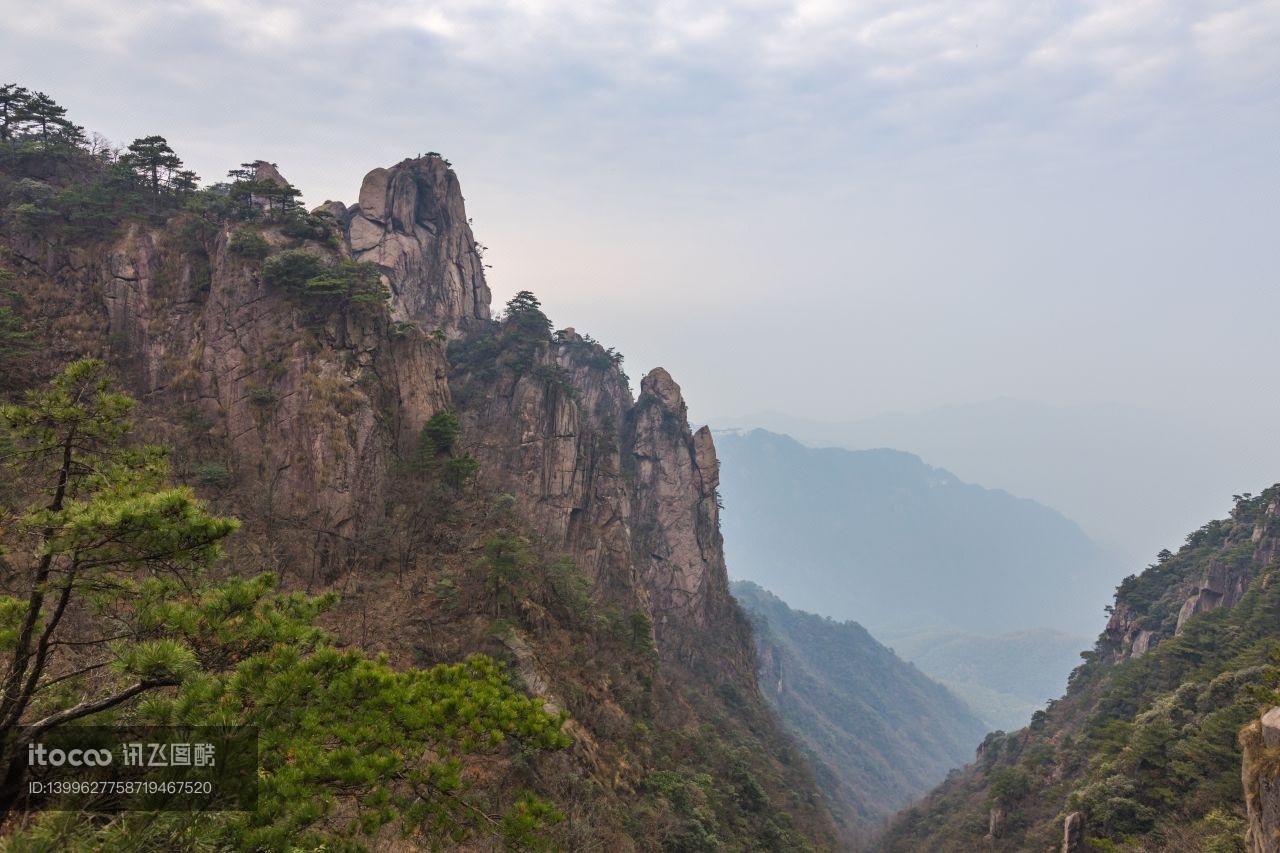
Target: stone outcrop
309,412
1125,635
674,473
1266,535
548,436
995,823
411,222
1072,832
305,409
1260,773
1222,586
621,483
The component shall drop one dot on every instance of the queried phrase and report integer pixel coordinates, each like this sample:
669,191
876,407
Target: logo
38,755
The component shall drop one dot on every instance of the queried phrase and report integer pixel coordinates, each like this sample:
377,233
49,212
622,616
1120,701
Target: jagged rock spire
411,222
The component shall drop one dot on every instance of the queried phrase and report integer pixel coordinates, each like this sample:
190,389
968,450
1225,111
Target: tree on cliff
24,113
155,163
13,100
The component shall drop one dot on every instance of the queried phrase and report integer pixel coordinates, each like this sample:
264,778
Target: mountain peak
658,383
412,223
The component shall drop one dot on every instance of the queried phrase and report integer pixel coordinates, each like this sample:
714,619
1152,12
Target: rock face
298,407
622,484
1221,584
294,410
1221,587
1072,832
310,408
1127,638
675,474
1260,773
410,221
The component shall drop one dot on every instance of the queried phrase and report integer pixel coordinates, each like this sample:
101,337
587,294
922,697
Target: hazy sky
834,209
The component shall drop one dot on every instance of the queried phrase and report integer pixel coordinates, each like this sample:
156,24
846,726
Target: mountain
1004,678
1160,741
1133,478
881,537
877,731
486,507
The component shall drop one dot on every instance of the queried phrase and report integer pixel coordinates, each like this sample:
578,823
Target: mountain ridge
878,731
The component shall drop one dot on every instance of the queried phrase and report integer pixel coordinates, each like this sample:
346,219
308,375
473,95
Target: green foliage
317,280
16,341
439,433
93,520
57,185
524,315
506,561
34,120
212,474
252,197
1146,748
291,270
460,470
249,243
436,442
1008,785
642,632
155,164
263,397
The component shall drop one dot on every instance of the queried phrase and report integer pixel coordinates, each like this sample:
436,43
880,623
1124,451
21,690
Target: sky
830,209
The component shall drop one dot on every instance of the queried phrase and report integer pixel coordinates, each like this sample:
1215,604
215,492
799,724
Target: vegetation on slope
108,617
1143,746
879,732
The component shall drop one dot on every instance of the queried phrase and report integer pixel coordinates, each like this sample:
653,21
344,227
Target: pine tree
98,521
50,118
13,103
155,163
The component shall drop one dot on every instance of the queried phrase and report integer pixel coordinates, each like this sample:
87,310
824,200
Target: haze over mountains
991,594
1133,478
884,538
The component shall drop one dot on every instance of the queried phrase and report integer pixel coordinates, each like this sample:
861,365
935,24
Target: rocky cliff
621,483
293,362
1260,775
410,221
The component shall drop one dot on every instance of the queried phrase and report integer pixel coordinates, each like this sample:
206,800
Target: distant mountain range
877,731
1136,480
881,537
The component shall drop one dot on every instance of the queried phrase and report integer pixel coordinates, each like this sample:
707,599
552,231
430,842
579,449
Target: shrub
292,269
306,274
440,433
248,243
262,396
212,474
458,472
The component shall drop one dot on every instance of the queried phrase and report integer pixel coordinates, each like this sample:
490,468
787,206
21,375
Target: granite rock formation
411,222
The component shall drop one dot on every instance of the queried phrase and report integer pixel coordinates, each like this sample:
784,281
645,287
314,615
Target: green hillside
1143,746
878,732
